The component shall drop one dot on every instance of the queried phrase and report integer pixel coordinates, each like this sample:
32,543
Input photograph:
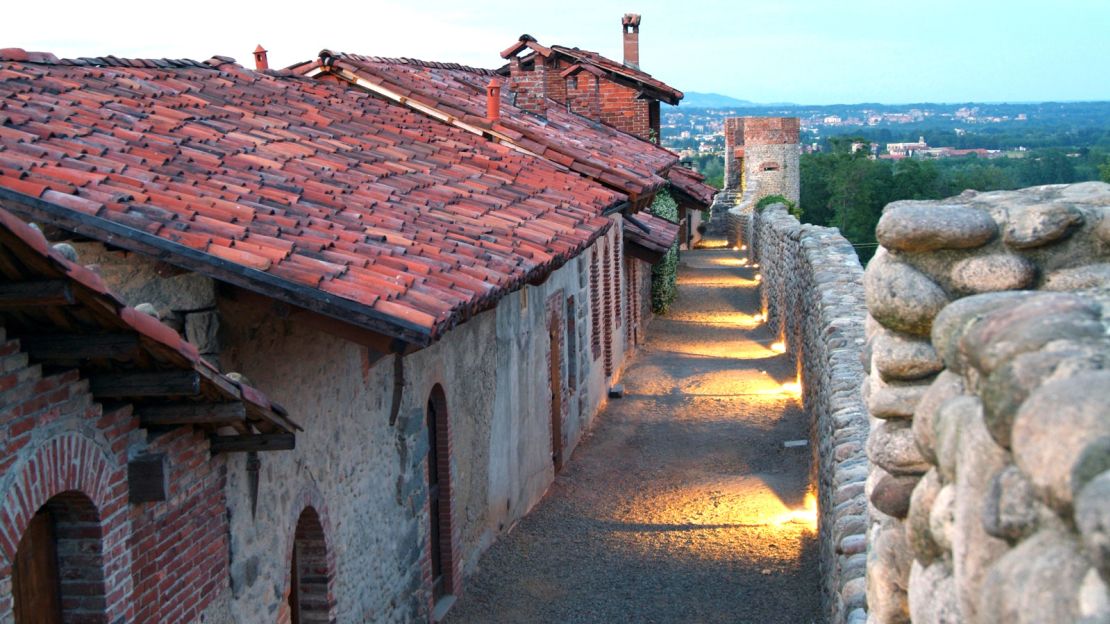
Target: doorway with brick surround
555,377
308,576
442,558
57,573
682,504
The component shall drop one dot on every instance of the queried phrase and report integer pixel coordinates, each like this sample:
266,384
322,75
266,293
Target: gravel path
682,505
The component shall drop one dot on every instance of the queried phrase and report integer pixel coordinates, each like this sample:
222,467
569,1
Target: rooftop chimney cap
326,57
631,19
526,37
261,63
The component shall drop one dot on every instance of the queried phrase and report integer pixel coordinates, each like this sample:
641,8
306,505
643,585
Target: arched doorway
308,576
57,573
439,496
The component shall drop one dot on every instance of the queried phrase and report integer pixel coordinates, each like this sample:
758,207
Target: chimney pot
630,29
260,62
493,100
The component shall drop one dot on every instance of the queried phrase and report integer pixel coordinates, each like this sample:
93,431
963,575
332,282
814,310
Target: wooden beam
170,383
192,414
80,346
16,295
257,442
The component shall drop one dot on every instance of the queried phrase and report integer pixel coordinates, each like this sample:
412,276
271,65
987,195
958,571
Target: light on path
778,347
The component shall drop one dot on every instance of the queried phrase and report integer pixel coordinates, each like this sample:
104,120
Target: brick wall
164,561
529,85
583,95
621,109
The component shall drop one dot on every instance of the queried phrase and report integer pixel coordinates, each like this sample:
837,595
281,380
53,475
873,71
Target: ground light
778,347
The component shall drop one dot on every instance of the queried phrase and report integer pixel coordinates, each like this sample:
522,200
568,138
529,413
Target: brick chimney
529,85
493,100
260,62
630,24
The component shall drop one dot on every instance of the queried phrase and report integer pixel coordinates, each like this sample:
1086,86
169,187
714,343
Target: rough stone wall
149,562
990,439
183,300
370,475
812,292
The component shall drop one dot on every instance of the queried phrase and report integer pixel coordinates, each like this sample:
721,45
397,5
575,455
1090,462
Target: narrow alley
683,504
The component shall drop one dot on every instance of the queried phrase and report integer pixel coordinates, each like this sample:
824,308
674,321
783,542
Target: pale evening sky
804,51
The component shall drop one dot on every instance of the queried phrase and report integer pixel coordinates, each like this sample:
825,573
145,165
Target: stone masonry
812,298
990,437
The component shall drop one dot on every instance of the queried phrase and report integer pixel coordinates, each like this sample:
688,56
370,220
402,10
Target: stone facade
988,484
361,475
812,297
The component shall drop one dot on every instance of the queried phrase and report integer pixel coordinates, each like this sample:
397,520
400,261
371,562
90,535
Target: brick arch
308,519
62,468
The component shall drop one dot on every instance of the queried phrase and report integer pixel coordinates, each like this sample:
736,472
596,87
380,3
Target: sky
801,51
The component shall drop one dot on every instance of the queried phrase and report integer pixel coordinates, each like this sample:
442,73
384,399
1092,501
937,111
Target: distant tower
763,150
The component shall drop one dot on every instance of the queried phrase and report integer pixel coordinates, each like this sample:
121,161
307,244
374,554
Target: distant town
893,132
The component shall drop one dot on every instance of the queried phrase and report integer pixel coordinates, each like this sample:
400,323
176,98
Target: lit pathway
677,508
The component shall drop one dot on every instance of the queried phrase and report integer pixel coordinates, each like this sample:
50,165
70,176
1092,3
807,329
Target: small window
769,166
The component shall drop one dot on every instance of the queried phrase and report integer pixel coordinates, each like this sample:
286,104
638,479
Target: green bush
770,200
663,273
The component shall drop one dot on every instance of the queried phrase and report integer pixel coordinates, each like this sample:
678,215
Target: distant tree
915,179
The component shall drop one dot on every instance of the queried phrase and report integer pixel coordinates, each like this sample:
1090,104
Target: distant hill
713,100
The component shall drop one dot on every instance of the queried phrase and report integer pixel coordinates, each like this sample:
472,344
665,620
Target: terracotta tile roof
303,190
652,240
88,307
616,159
692,184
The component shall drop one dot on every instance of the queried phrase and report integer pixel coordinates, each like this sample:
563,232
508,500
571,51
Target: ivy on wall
663,273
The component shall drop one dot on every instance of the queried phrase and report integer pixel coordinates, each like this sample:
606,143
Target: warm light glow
722,518
743,247
792,387
735,248
778,347
806,516
758,277
736,320
728,281
729,262
758,318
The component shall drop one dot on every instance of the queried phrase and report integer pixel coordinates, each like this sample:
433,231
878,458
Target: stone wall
812,292
990,437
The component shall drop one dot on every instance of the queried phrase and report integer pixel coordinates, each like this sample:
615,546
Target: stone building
443,312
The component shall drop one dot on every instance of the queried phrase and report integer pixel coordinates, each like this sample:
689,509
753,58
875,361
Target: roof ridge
417,63
47,58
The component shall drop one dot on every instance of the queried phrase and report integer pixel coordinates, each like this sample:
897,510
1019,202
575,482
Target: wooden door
556,376
35,586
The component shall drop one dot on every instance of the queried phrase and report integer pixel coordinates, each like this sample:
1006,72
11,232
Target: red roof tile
651,243
289,186
29,257
692,184
621,161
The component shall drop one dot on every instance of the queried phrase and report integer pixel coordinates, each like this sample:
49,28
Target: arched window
308,577
57,574
439,496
